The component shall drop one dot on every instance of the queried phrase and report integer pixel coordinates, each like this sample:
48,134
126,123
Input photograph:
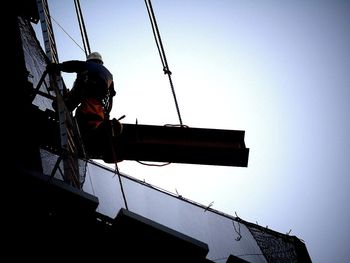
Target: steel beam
181,145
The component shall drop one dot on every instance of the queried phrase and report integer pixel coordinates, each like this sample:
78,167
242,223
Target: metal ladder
69,149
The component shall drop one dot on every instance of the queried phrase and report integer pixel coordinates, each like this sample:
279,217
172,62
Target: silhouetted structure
50,215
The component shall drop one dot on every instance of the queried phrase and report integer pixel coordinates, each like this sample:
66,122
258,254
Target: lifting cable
159,44
82,28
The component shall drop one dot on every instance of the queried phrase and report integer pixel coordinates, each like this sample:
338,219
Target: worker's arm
68,66
72,66
110,98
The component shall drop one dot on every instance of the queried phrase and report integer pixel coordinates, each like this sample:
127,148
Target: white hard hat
94,55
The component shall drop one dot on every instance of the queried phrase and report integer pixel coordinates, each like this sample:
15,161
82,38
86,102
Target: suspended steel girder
162,143
181,145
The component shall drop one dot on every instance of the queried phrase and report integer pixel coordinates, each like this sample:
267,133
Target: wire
239,230
161,52
67,33
121,185
241,255
176,125
115,159
207,208
151,164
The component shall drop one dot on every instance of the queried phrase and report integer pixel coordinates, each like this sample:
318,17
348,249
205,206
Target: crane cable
82,27
159,44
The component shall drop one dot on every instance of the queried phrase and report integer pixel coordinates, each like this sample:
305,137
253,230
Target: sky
279,70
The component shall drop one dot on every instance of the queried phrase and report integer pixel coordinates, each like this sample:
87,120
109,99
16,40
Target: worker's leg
90,139
112,128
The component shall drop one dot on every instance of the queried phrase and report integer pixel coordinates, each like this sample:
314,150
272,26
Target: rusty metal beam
181,145
161,143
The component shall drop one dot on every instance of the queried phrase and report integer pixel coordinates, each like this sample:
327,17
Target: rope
161,52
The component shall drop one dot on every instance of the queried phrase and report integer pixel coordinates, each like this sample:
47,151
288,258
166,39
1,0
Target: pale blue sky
280,70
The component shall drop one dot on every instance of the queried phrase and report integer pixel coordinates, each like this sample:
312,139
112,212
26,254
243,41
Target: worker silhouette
92,99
